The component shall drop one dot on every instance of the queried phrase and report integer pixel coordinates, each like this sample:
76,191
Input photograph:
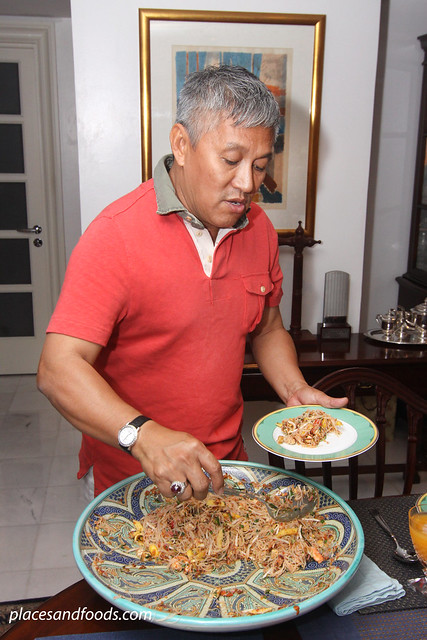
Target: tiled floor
40,498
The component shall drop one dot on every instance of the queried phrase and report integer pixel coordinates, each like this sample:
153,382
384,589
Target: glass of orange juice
418,531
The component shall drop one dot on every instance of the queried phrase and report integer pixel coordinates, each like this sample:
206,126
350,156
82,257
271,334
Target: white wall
67,134
392,178
105,37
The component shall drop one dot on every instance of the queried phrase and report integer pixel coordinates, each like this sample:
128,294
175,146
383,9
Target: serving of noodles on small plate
308,429
312,433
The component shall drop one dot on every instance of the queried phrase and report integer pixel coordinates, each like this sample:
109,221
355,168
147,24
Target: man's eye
260,169
232,163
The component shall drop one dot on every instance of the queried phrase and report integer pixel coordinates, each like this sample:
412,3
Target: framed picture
284,50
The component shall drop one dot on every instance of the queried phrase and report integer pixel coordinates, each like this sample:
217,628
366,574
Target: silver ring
178,487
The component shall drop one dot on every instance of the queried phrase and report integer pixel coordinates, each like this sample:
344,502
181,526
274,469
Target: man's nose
244,179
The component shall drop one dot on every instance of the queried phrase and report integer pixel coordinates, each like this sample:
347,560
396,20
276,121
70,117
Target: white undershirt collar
205,245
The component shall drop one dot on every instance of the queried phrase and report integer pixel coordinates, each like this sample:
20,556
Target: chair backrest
354,381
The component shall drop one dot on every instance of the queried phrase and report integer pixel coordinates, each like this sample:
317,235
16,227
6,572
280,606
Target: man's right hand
169,456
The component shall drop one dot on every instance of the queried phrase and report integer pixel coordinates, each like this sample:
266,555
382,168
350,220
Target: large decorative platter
358,434
422,502
115,572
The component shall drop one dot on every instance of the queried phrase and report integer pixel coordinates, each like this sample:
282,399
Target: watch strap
139,421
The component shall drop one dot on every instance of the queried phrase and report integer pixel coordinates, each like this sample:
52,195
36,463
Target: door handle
35,229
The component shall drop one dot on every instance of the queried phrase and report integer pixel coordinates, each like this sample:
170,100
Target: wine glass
418,530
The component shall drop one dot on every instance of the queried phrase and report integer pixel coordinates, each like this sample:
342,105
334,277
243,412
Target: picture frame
288,57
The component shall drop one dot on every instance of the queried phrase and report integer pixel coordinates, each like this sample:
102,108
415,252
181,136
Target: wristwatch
128,434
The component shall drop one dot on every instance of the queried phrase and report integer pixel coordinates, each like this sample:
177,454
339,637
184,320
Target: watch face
127,435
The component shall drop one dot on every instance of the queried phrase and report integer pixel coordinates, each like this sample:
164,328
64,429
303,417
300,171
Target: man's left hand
308,395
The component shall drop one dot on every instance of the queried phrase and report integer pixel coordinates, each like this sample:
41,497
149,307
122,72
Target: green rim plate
422,502
359,435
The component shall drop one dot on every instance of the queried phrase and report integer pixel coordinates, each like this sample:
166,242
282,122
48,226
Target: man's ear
180,143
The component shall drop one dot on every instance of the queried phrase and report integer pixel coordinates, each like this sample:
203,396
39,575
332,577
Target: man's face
217,179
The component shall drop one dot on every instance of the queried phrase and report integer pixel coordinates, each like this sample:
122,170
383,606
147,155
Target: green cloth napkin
369,586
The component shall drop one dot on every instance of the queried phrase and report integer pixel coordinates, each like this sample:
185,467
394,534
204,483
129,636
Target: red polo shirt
173,338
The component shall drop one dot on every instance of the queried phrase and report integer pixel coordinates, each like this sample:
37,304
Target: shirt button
262,288
199,234
209,258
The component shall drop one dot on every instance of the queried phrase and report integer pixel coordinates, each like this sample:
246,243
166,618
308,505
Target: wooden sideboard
316,359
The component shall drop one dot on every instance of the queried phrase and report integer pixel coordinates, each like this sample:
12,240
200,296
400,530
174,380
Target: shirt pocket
257,287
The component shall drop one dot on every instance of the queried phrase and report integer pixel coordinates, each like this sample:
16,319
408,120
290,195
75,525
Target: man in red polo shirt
145,349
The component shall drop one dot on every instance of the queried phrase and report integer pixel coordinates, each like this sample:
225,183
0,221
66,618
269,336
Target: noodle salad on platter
221,564
308,429
199,537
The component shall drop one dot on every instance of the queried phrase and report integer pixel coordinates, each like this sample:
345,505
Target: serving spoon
401,554
279,513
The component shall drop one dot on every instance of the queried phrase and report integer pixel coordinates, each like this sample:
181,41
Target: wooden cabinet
413,284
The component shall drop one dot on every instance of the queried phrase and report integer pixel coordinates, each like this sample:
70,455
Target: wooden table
80,595
317,359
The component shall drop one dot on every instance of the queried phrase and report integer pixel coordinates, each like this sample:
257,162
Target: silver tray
409,340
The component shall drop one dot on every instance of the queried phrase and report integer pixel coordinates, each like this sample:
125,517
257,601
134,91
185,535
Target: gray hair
227,92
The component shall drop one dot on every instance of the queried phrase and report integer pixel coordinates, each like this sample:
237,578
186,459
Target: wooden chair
353,382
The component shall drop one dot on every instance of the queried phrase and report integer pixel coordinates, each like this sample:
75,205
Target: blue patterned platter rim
422,502
365,435
113,570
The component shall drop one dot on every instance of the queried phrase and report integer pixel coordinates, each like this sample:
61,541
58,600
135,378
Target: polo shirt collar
168,202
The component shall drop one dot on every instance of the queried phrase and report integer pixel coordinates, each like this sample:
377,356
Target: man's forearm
81,395
275,354
69,380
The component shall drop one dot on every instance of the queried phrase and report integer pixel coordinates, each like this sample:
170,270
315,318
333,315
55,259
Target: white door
27,262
